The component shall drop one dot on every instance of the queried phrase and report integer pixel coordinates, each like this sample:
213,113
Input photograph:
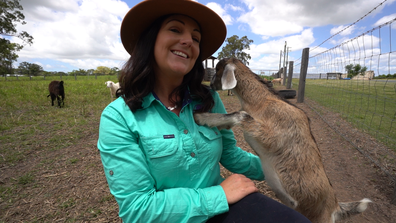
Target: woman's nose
186,40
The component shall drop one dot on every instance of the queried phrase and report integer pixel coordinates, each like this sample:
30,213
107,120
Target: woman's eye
196,40
175,30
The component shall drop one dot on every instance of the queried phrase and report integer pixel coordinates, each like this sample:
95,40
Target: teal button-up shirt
165,168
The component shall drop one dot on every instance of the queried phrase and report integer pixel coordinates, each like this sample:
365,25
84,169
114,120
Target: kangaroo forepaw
221,121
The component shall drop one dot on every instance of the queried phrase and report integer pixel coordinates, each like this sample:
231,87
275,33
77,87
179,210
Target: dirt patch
68,184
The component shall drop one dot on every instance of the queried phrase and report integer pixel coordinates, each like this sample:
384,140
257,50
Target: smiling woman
176,51
160,165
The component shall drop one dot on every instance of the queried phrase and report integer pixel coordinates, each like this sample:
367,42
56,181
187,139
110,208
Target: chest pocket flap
159,146
210,134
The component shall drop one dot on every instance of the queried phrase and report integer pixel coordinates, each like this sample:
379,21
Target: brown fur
57,92
280,134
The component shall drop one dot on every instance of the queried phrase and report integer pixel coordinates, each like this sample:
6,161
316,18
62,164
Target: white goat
113,87
277,80
281,136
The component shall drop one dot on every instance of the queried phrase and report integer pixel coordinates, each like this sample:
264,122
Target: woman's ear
228,80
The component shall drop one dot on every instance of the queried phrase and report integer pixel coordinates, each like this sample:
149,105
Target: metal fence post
303,75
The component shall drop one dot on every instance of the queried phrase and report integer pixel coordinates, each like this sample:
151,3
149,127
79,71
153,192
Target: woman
160,165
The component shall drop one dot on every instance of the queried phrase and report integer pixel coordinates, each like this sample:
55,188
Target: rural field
50,168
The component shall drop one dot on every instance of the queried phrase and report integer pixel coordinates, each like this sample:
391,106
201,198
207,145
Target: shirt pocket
163,158
209,134
159,146
212,143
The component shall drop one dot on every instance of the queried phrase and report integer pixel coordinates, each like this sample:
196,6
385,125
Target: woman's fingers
237,186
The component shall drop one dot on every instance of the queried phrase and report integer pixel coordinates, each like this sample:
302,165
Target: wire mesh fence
367,100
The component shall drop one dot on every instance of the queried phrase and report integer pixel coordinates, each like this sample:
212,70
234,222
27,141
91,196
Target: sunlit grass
28,122
369,105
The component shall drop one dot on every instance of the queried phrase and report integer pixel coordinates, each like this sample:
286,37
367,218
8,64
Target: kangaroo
281,136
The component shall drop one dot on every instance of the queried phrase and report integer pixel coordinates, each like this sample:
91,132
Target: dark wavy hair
138,78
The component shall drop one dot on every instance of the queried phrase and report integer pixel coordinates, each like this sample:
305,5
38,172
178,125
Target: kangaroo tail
351,208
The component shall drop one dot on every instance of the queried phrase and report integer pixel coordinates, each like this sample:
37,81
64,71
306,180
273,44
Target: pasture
50,168
47,152
369,105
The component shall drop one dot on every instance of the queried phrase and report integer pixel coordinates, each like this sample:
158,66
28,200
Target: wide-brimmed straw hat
142,15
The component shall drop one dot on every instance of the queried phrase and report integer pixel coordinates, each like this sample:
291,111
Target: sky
84,34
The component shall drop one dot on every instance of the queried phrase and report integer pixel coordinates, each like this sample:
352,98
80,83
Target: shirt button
192,154
111,173
185,131
216,133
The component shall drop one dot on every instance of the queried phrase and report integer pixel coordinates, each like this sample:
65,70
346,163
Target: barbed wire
365,33
367,103
348,26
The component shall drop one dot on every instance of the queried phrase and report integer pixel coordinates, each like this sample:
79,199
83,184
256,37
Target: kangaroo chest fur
268,166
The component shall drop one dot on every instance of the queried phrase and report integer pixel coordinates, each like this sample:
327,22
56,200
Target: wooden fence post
303,75
290,76
284,75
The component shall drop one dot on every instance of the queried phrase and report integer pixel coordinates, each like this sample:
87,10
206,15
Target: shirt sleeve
134,189
234,158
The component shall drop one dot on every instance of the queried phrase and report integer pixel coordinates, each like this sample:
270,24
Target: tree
7,55
35,69
10,15
82,72
90,71
102,70
235,47
114,71
354,70
30,69
24,68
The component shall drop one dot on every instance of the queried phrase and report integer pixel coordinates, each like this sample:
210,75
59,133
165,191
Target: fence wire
366,101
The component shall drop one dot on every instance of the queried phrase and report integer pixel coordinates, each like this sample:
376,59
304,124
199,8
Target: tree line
32,69
354,70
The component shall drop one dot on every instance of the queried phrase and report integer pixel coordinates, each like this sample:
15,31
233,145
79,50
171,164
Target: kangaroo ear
228,80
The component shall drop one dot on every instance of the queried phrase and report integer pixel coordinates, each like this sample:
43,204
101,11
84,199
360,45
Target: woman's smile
177,46
181,54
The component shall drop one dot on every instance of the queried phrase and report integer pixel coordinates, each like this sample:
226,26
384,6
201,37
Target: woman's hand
237,186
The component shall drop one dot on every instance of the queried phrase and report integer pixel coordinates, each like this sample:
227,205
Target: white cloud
82,31
221,12
92,63
273,47
271,50
85,33
269,61
233,8
385,19
346,32
285,17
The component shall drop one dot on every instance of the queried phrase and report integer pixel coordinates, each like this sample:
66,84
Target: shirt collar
147,100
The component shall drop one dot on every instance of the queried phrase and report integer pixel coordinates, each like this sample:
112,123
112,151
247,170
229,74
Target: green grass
369,105
29,123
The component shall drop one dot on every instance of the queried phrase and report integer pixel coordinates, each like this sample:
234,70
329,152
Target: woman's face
177,46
